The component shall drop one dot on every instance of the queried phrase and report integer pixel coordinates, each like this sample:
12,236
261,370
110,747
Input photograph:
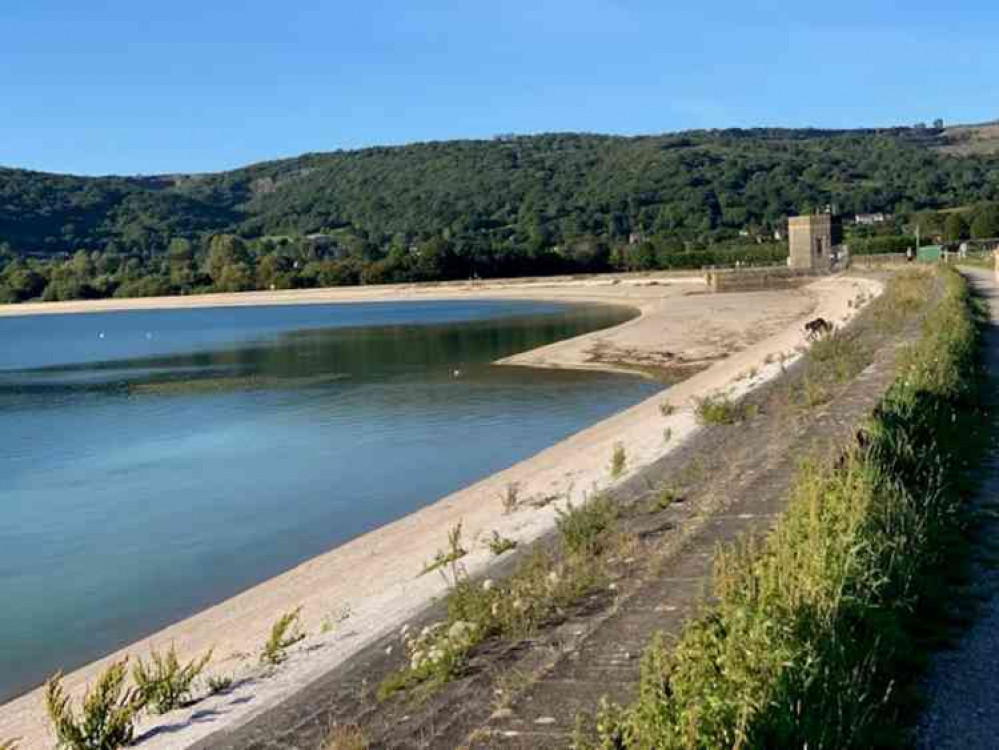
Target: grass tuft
345,737
219,684
447,560
500,544
723,410
164,683
584,528
511,498
285,633
107,714
619,461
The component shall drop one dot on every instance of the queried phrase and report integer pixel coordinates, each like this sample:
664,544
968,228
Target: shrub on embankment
812,636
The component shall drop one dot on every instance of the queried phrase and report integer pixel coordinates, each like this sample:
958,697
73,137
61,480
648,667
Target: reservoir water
153,463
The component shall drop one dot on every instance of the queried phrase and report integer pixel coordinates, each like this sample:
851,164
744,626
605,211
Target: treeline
228,263
968,223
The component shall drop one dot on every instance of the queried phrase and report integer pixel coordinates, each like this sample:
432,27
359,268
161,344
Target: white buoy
100,335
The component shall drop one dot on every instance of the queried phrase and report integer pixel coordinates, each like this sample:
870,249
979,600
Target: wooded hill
512,205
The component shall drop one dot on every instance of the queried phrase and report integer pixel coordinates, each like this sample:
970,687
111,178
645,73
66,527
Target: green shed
929,253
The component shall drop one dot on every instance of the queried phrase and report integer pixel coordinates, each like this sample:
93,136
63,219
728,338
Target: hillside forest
510,206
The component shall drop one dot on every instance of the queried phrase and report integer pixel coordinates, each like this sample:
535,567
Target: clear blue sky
129,86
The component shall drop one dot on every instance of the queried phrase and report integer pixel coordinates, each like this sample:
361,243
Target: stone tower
811,241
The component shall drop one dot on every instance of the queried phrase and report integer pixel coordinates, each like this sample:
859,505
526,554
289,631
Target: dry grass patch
345,737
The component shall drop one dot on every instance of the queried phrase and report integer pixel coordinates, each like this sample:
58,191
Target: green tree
23,283
235,277
985,223
180,259
274,272
955,227
226,251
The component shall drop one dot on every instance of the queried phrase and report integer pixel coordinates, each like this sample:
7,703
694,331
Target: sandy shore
372,584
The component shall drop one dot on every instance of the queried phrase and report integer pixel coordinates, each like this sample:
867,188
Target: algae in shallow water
230,384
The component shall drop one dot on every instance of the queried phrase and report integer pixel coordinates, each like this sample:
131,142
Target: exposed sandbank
375,579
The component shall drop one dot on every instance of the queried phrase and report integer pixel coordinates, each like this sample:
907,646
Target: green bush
723,410
584,528
108,711
164,683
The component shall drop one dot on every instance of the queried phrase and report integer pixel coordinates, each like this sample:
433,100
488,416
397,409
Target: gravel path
962,689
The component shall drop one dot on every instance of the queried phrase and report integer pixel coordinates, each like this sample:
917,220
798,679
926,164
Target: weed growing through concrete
219,684
584,528
511,498
446,561
285,633
164,683
619,460
723,410
500,544
543,585
345,737
332,620
666,408
667,435
666,497
108,711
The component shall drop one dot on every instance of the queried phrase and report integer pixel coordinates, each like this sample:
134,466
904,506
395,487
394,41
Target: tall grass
813,627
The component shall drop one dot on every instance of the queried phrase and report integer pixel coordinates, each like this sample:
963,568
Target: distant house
635,237
869,220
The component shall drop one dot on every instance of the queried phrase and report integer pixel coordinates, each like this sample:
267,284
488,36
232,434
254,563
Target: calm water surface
154,463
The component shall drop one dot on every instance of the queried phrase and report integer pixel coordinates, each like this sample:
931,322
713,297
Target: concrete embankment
372,585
